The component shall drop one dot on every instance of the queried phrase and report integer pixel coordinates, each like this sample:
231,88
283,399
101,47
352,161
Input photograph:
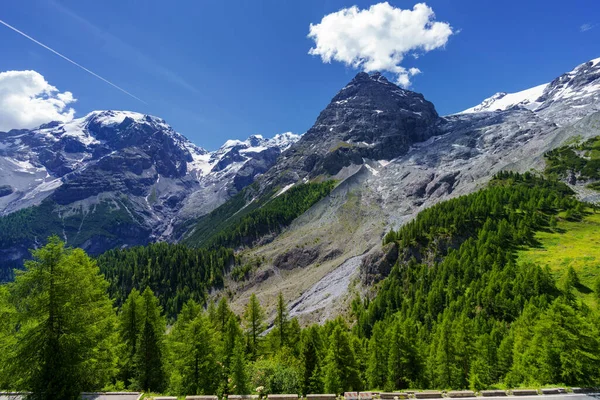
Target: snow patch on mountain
503,101
566,99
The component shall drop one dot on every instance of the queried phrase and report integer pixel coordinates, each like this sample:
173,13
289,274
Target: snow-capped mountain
502,101
120,164
567,98
37,162
234,152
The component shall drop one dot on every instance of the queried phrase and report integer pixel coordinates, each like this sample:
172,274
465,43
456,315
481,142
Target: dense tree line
228,226
457,311
32,225
174,272
60,335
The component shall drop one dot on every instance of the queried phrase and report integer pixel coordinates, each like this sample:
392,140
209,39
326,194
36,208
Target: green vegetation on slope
40,222
32,225
468,314
460,309
236,223
580,159
175,273
570,244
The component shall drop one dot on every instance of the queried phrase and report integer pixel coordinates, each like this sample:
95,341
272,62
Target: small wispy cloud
586,27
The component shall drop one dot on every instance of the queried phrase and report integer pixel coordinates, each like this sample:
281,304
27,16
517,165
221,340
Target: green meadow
571,244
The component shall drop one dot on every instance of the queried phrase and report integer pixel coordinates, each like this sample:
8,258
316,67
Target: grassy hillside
570,244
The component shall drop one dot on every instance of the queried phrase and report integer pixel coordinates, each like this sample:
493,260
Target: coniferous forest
458,310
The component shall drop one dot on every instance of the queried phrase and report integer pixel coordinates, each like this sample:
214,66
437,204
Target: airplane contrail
71,61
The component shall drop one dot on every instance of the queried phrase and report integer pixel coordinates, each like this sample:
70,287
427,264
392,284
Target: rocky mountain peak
370,118
375,92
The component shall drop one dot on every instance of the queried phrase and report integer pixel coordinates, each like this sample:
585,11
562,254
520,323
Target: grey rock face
466,151
378,263
297,258
369,118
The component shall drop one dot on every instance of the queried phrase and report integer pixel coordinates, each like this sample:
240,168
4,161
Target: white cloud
28,100
378,38
586,27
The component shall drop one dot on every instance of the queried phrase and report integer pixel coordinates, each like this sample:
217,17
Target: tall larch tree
377,365
254,324
281,320
67,336
149,368
194,353
131,321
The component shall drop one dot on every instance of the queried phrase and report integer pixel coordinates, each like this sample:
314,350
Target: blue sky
217,70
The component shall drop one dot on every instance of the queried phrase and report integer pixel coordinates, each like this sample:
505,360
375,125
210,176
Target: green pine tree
482,373
233,333
377,365
341,373
222,314
310,357
401,358
67,335
238,375
131,321
194,353
149,368
254,323
281,321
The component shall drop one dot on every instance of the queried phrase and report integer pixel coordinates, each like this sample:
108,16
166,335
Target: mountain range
117,179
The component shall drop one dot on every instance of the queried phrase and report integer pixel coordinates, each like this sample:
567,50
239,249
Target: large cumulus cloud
379,38
28,100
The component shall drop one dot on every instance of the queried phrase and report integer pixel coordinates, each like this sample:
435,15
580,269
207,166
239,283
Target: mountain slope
115,178
376,194
392,156
369,119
